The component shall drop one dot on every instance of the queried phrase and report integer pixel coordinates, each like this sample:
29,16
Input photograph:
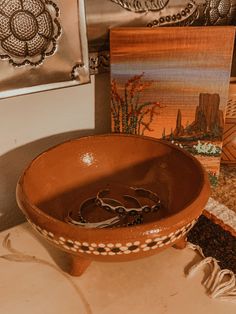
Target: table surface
31,282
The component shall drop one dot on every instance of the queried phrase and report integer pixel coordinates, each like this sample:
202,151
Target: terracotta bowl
58,180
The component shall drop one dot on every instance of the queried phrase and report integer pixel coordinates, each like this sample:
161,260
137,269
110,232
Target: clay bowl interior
61,178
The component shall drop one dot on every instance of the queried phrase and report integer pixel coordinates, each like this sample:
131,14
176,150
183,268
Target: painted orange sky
182,62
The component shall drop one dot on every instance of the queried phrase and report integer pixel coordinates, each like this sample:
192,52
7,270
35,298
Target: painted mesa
172,83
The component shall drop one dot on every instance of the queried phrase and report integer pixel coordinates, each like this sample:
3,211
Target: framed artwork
172,83
43,45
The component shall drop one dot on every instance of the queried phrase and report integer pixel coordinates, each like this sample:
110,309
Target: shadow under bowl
58,180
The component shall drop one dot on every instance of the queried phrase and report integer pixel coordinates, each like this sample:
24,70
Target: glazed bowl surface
58,180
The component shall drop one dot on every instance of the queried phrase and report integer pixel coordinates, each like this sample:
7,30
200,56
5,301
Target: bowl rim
179,219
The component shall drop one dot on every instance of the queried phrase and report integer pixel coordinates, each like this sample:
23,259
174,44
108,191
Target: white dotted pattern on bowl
113,249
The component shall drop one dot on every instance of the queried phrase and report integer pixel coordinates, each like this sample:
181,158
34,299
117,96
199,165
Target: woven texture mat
225,192
214,237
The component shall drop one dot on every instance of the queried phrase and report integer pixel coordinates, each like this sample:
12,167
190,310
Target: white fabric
220,284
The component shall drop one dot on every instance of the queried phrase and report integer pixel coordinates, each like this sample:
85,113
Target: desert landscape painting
172,83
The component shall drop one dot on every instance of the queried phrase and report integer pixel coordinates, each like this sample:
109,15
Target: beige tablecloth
32,283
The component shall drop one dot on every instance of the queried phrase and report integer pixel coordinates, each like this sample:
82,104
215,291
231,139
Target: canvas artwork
172,83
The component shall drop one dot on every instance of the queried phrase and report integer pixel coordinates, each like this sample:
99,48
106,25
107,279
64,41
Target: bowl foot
181,244
78,265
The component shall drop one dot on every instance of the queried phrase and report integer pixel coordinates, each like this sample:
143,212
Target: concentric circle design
29,30
24,25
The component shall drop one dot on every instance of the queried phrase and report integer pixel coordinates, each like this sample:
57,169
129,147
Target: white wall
30,124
